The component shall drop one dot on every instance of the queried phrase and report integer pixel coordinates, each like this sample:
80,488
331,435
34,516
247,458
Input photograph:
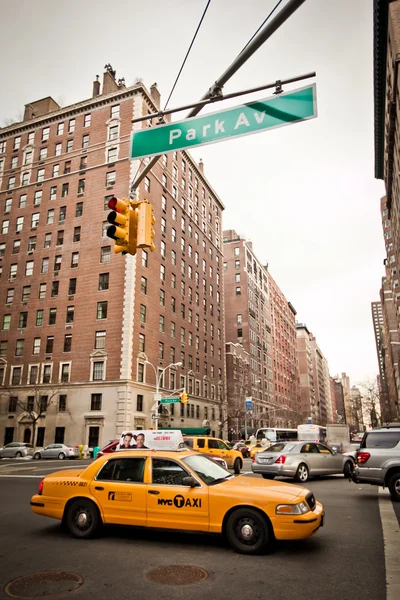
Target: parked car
60,451
16,450
300,460
241,446
378,459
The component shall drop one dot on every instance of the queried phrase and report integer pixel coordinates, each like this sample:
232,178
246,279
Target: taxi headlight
292,509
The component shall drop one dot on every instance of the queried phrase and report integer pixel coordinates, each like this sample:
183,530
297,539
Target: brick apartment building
238,380
308,403
77,322
248,320
285,361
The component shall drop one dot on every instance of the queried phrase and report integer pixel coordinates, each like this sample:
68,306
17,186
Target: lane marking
391,542
23,476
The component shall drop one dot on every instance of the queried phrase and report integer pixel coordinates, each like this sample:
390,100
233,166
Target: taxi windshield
208,470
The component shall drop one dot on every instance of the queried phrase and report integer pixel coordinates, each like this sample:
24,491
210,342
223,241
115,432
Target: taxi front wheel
248,531
83,519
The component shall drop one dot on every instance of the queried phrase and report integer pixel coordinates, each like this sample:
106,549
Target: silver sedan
16,450
300,460
59,451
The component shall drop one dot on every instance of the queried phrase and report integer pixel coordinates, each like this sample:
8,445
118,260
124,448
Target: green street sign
273,112
169,400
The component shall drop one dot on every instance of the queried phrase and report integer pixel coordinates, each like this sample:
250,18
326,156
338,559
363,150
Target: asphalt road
343,561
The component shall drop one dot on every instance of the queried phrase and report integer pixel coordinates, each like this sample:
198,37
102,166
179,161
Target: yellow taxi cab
217,447
178,490
258,447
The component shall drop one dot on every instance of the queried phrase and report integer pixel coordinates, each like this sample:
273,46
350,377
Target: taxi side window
221,445
167,472
213,444
201,443
123,469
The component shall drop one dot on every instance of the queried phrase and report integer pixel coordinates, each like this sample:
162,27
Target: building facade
305,353
85,333
238,378
248,320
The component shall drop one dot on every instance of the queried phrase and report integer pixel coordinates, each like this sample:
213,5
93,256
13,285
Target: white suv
378,459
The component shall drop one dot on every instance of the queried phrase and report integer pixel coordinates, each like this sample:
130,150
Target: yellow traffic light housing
183,397
145,231
123,230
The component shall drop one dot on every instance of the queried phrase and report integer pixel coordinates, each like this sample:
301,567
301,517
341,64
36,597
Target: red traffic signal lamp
123,230
183,397
145,231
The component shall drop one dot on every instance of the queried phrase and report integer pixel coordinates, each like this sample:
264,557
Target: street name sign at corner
169,400
246,119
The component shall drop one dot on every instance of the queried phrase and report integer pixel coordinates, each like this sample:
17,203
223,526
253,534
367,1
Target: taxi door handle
153,492
101,489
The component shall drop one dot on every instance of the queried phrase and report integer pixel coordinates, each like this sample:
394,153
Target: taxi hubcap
82,519
247,532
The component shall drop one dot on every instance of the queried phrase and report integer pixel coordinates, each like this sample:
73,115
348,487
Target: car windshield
280,447
208,470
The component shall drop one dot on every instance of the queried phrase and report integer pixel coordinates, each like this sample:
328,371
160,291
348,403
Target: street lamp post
157,392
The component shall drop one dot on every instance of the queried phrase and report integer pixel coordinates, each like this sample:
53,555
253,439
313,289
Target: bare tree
371,400
35,404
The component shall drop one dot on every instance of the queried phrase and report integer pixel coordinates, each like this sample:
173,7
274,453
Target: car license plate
266,460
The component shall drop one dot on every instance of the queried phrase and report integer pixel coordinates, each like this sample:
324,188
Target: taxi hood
246,485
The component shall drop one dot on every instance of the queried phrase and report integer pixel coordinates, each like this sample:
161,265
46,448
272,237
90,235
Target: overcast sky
304,194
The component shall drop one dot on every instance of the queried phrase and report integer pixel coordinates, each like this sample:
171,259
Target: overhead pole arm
246,53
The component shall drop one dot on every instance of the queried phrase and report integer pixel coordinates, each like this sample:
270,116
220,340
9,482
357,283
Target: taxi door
171,504
120,491
219,448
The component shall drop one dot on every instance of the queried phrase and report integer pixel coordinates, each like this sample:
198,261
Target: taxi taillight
362,457
280,460
40,488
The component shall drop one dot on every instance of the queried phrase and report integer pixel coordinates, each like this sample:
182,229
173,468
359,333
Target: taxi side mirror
190,482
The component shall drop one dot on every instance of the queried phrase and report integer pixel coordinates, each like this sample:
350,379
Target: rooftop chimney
155,95
96,87
201,166
109,83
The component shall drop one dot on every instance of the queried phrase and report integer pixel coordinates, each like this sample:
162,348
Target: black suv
378,459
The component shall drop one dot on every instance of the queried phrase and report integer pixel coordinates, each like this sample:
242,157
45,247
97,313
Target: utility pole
246,53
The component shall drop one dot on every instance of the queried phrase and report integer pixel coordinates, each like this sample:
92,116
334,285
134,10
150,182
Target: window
35,220
74,260
64,190
11,183
40,175
2,146
17,143
70,145
46,376
77,234
164,203
19,347
62,403
162,272
139,402
98,371
167,472
4,227
53,192
72,287
95,401
45,265
143,285
42,291
20,224
145,258
173,329
36,345
124,469
52,316
142,313
12,403
142,341
16,375
103,281
160,350
110,178
58,149
60,237
113,132
102,310
81,186
83,163
50,216
25,178
163,249
141,372
67,342
71,126
29,268
238,291
161,325
49,344
87,119
26,293
10,296
56,170
146,184
69,318
115,111
105,254
112,155
33,379
42,153
63,214
162,298
60,128
22,201
54,289
79,209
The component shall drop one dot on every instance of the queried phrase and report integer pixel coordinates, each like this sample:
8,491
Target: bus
274,434
311,433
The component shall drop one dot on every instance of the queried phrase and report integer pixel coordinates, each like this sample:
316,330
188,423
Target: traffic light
145,231
183,397
123,230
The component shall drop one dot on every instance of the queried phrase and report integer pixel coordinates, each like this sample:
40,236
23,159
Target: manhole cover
43,585
177,575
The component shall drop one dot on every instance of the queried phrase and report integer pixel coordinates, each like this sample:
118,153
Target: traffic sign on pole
277,111
169,400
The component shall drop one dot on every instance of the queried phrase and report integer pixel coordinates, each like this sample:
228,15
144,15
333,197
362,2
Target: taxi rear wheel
83,519
237,465
248,531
